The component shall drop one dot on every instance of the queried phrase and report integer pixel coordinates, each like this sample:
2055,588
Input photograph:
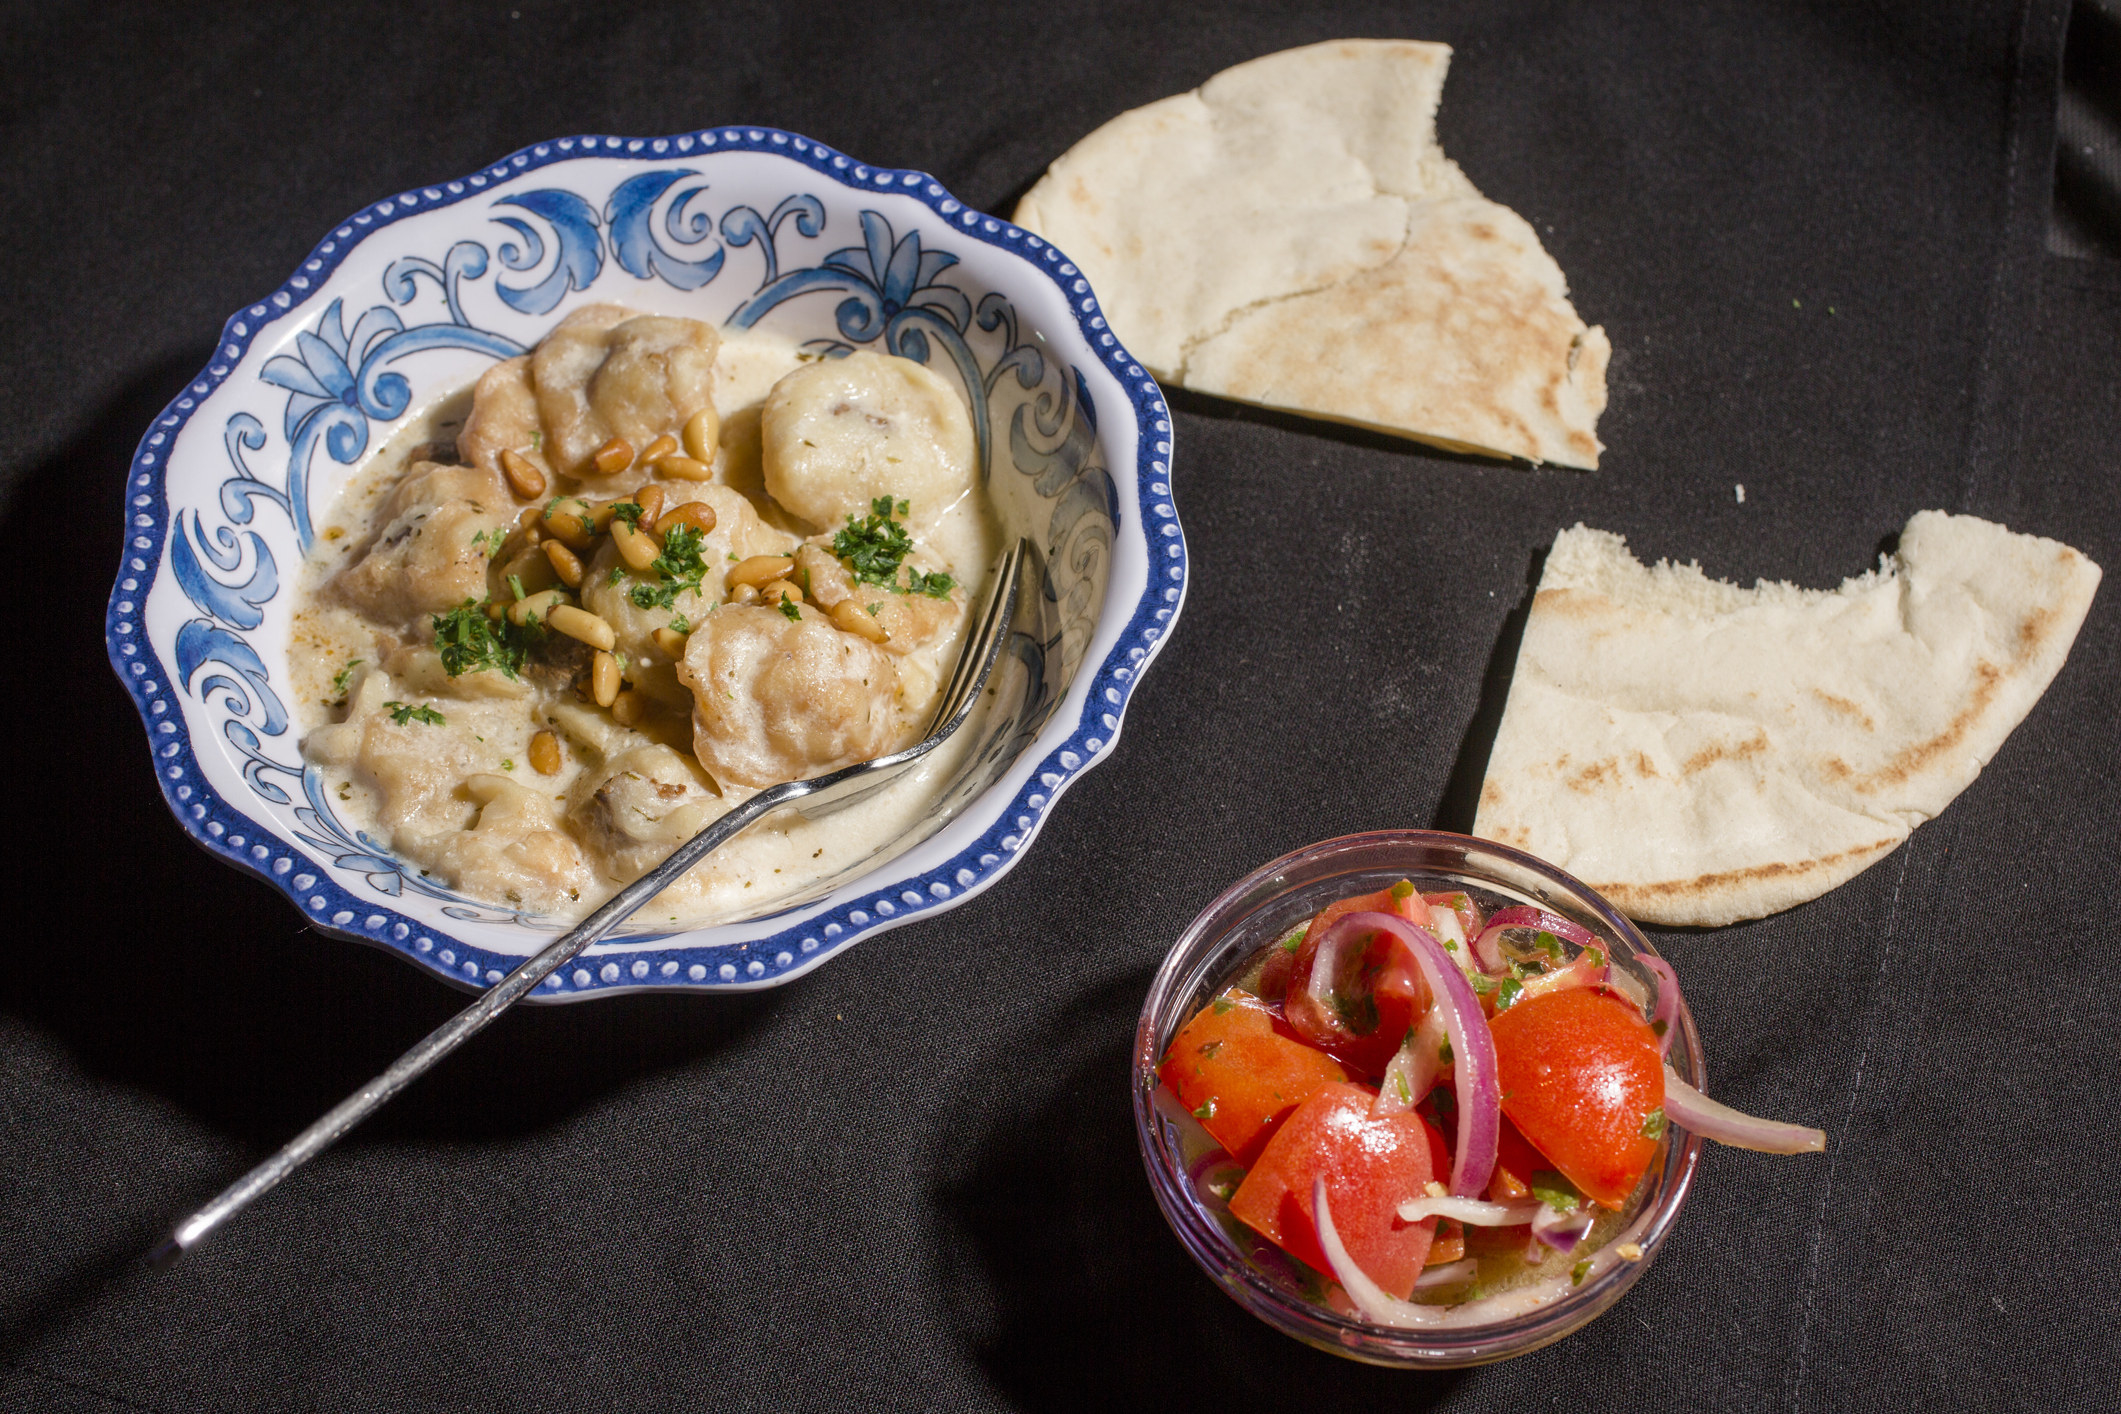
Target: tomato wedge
1371,1164
1241,1070
1375,996
1582,1079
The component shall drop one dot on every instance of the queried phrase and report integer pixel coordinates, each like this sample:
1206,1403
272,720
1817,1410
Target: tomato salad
1425,1105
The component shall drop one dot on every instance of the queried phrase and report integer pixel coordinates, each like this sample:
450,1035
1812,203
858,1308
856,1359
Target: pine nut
541,606
671,642
571,519
660,448
628,708
566,564
777,592
496,610
697,514
744,594
650,500
758,570
604,679
613,457
529,517
545,754
533,536
583,626
858,621
530,568
703,430
524,478
637,550
685,469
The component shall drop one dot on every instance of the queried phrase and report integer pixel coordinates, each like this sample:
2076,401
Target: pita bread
1290,234
1701,753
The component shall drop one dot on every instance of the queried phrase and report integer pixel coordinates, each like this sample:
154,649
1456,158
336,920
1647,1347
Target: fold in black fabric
1815,234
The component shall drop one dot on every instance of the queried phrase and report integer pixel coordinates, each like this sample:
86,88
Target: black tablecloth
1815,233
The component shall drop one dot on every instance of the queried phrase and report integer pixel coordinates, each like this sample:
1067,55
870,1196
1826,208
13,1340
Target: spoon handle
466,1024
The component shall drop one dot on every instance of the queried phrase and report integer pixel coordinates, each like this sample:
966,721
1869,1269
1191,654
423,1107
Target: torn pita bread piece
1290,234
1701,753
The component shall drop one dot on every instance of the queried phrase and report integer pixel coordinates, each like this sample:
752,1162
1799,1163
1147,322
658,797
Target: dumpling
837,434
780,699
607,372
504,418
639,806
738,534
430,552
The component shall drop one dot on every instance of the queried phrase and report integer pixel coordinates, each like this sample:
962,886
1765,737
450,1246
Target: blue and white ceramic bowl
417,294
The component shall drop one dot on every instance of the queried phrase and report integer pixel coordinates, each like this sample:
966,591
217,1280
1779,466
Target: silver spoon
975,664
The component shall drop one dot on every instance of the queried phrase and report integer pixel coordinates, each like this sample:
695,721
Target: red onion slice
1488,946
1691,1110
1472,1048
1473,1212
1414,1067
1205,1172
1667,1012
1444,923
1381,1307
1561,1231
1371,1299
1449,1274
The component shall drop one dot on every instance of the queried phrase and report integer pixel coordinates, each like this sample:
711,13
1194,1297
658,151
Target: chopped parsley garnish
680,566
1596,956
1223,1004
628,511
1658,1028
1207,1052
1406,1096
1443,1054
1207,1109
680,624
618,572
1548,944
789,609
1578,1272
1482,983
1403,890
478,542
1507,994
515,585
507,765
1555,1191
1291,943
1653,1124
469,642
874,548
338,679
936,585
403,712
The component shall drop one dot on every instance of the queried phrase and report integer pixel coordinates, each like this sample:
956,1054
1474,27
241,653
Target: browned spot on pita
1482,231
1846,708
1923,754
1598,773
1491,794
1630,895
1584,442
1724,751
1644,766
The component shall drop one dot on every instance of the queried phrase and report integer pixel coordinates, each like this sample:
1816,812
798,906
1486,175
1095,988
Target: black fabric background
1815,234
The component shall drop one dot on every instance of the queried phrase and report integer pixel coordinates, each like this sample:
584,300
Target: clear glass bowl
1265,905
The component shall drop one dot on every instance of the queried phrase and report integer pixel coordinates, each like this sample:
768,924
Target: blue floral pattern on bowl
746,227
